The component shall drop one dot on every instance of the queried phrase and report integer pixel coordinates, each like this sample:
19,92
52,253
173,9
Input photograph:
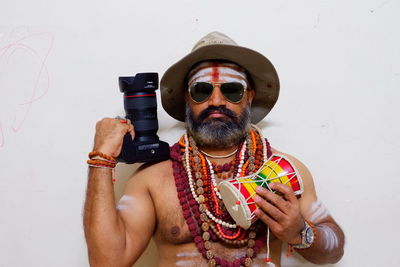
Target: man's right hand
110,135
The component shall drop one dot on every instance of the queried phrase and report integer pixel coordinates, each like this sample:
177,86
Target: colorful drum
237,194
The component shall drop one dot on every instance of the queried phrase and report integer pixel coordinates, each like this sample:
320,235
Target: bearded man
219,90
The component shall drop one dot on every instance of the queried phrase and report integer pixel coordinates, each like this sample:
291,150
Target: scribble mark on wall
24,77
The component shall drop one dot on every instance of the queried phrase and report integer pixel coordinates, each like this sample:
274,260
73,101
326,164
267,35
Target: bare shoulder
150,173
149,170
309,195
303,170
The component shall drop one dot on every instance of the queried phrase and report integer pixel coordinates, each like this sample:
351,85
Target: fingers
285,190
131,128
266,219
110,134
274,199
131,131
279,210
272,211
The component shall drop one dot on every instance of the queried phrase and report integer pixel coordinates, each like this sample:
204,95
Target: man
219,89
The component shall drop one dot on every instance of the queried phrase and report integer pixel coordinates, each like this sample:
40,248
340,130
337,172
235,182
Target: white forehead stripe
210,64
225,74
223,71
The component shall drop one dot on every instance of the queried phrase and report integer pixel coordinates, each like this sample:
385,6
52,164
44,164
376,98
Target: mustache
227,112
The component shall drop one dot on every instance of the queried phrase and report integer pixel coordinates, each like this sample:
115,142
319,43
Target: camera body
140,106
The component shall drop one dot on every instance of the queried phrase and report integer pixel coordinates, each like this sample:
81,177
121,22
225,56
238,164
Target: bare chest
171,225
172,233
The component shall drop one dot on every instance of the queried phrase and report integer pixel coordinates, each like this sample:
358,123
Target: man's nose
217,98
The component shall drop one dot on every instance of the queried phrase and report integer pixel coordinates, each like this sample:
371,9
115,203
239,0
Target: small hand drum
237,194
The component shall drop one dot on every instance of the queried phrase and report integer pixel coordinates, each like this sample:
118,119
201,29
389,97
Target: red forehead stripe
215,73
214,65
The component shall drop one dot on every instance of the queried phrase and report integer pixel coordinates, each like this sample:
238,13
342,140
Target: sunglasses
232,91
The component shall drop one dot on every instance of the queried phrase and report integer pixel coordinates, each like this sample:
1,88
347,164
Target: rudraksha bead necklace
199,197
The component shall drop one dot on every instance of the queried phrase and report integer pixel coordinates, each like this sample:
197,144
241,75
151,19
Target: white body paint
186,262
317,212
331,240
225,74
125,202
188,254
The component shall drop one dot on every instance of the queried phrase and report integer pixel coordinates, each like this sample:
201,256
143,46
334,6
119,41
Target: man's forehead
216,64
217,72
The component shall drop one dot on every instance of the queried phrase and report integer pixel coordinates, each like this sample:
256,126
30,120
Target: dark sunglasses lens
233,91
201,91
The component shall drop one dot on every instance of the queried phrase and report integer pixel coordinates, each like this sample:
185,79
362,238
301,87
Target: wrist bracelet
104,156
101,163
105,164
100,166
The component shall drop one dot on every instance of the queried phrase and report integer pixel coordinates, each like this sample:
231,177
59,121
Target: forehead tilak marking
214,74
222,71
206,65
222,79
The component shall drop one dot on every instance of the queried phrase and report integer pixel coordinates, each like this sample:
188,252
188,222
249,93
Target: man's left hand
280,212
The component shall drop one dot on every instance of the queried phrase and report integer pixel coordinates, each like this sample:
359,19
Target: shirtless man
218,89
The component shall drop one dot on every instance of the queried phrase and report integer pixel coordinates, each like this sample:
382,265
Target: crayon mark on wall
24,77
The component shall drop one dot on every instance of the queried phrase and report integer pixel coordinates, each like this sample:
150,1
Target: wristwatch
307,237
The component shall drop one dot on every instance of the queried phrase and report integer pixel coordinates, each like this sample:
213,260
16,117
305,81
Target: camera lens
141,105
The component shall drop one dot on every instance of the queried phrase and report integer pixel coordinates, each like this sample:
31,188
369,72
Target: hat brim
262,72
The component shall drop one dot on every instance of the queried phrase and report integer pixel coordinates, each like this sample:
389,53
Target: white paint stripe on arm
330,238
124,202
317,212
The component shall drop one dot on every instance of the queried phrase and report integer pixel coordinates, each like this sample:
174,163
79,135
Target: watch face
309,238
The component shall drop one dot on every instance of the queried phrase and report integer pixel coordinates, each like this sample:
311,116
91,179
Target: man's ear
250,95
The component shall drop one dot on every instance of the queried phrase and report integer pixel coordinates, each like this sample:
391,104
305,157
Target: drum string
264,182
272,169
276,162
268,263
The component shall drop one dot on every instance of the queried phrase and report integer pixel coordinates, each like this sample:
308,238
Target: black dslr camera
141,108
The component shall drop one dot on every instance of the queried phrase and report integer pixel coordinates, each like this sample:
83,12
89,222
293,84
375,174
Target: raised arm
116,236
286,216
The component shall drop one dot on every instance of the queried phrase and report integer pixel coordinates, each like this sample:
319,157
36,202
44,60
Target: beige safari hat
218,46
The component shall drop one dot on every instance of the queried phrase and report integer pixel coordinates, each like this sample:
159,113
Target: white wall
339,67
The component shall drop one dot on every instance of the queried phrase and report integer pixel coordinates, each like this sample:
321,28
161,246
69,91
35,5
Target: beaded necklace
199,197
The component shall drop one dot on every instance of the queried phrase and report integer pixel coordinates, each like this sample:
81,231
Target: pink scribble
22,108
